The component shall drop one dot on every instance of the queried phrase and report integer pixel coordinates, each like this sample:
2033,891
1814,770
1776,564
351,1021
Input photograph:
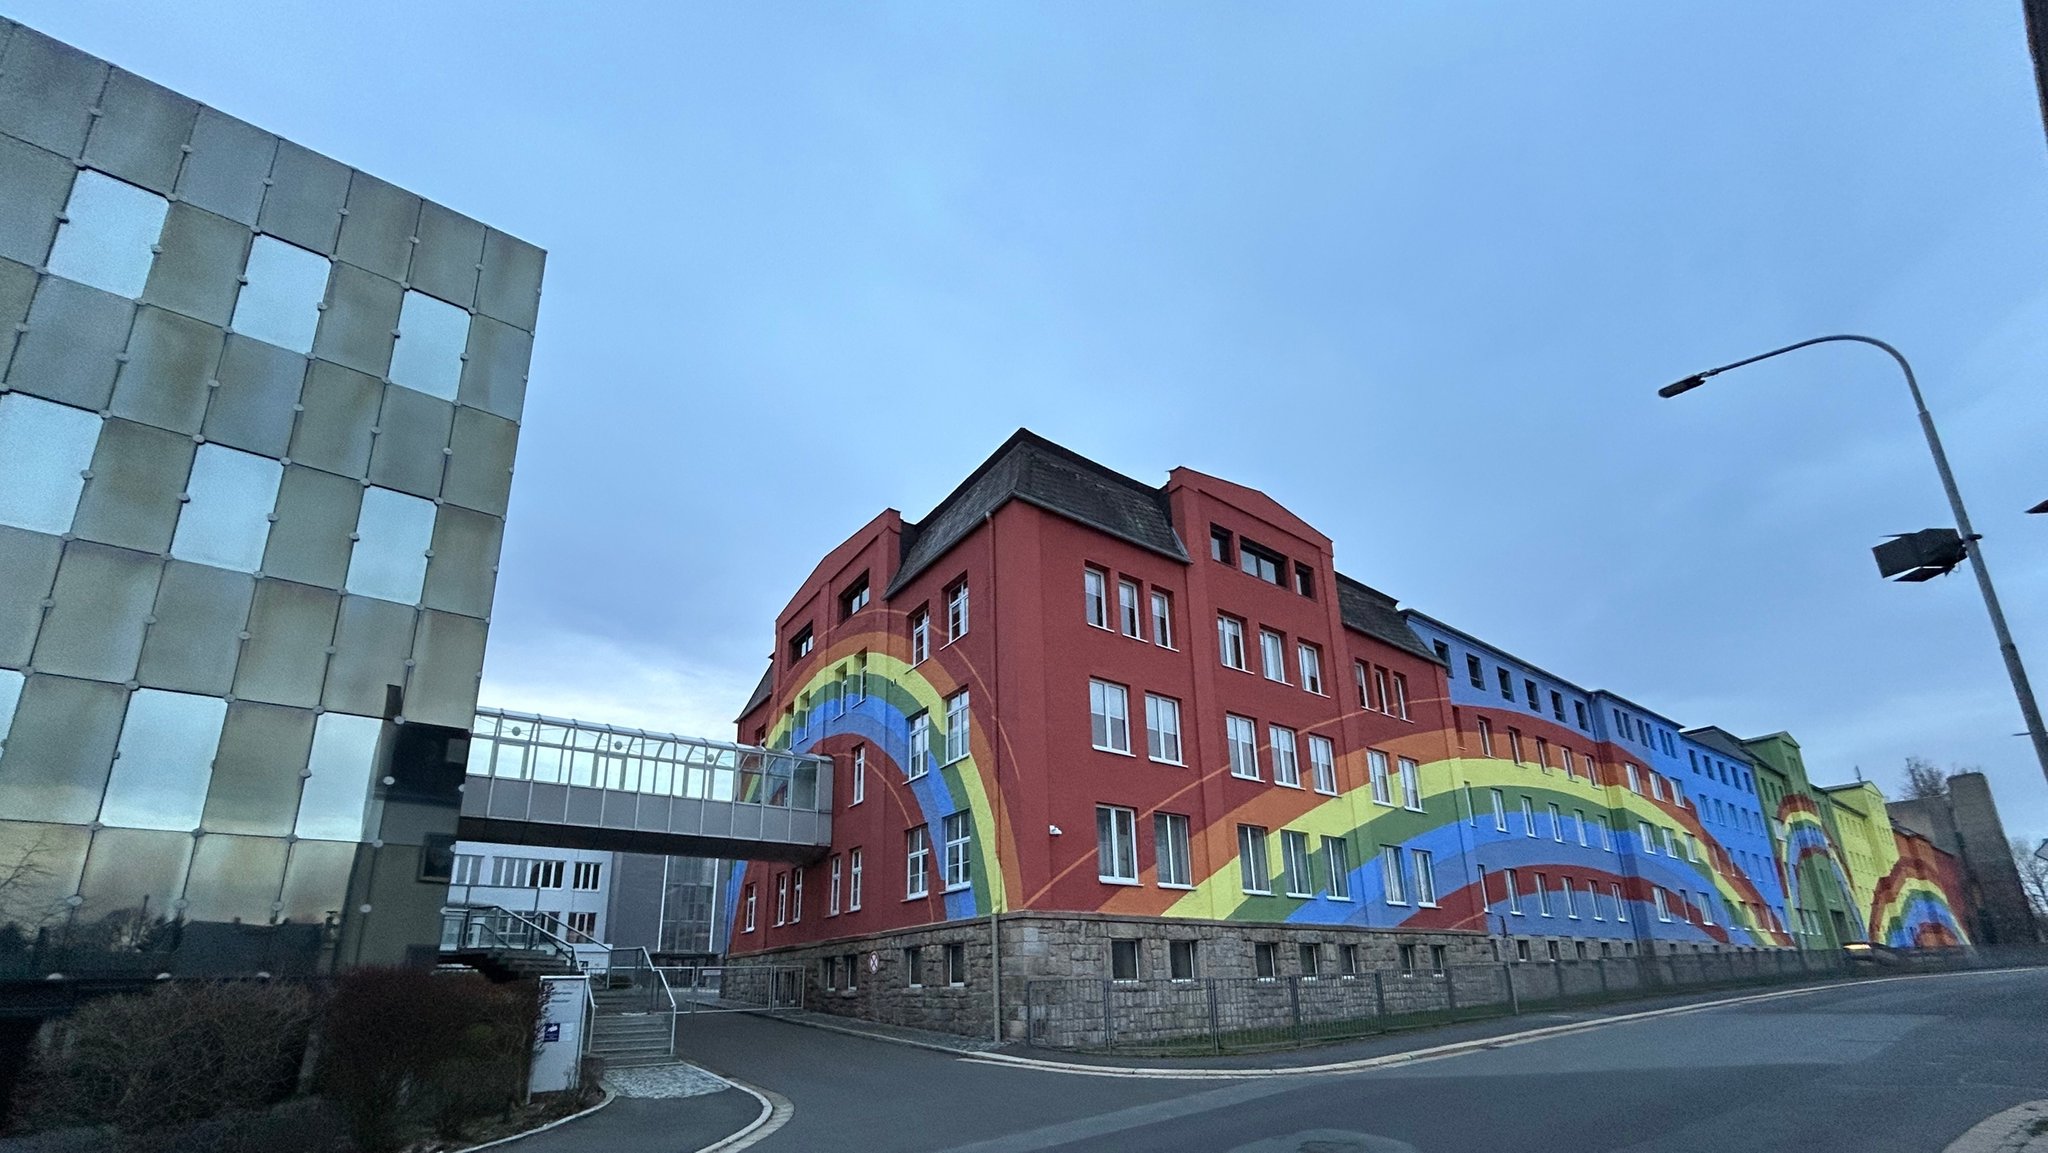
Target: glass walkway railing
550,750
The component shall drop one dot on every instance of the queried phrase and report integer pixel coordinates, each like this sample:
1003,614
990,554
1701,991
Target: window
860,774
1162,619
1230,642
1542,895
959,832
1337,858
956,612
857,683
1162,728
1311,956
1528,817
1606,834
1400,708
281,293
1543,754
1439,956
920,746
1273,655
1647,836
1571,904
108,236
1593,900
917,861
1620,905
1127,612
1422,864
920,636
1266,960
833,889
913,966
1258,562
1580,708
956,965
225,522
1692,848
1349,963
1359,669
1407,956
1663,904
1116,844
1180,960
1515,745
958,732
1535,699
586,876
1322,763
1294,863
796,897
853,880
782,898
1376,767
1243,738
1286,768
1471,809
1657,786
1411,785
1635,780
1500,810
583,924
1556,824
1095,596
1521,950
1380,691
1507,684
1123,960
1304,580
750,910
1311,660
1390,873
47,446
1109,716
855,598
1514,892
1251,859
1670,844
1170,847
467,869
1219,544
800,645
1473,672
1485,737
1579,822
1556,704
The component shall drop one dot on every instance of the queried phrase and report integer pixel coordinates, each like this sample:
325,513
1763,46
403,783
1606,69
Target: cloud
563,673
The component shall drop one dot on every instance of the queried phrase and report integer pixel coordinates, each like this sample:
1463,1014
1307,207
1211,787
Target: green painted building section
1824,916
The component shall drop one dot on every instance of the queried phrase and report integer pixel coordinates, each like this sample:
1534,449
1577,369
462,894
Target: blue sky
1414,270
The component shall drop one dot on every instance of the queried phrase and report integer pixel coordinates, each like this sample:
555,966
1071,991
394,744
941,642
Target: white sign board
558,1050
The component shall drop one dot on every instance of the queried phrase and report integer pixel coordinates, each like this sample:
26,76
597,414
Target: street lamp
2006,649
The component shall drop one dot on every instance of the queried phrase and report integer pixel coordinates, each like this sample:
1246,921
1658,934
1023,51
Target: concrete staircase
625,1032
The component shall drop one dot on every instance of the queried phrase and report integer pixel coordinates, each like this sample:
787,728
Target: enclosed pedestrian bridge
536,780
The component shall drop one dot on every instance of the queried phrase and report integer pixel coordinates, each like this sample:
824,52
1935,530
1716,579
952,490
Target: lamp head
1683,386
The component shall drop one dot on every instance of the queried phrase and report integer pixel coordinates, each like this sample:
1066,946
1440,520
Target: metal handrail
489,918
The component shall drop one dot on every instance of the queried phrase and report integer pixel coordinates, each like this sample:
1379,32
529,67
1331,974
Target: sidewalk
661,1109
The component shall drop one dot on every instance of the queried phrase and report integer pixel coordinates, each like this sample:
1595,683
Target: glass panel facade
393,533
107,235
227,520
47,448
431,337
163,761
337,792
280,302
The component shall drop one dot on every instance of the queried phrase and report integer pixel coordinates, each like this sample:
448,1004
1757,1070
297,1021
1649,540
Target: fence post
1514,1000
1108,1019
1379,997
1215,1020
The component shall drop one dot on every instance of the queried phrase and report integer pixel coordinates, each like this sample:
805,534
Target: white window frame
1528,816
1579,821
1411,784
920,636
1162,618
917,862
1379,767
853,867
1322,764
1230,642
1571,902
1337,860
958,830
1170,849
1311,660
1514,891
1273,655
796,896
1095,597
1162,729
1382,691
920,747
1620,904
1391,876
959,727
1241,738
1541,883
1129,616
781,899
1500,810
1286,751
1593,899
860,775
1109,708
1422,867
1121,849
1252,871
1400,695
751,899
1485,737
956,612
1648,837
1297,870
1556,823
832,893
1606,834
1663,903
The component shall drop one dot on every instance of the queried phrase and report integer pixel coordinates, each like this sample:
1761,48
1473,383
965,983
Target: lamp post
2029,710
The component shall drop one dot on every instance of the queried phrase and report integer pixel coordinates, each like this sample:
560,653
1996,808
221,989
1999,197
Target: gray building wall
668,905
1965,823
258,413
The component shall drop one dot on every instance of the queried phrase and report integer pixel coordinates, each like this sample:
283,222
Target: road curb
776,1110
608,1098
2017,1130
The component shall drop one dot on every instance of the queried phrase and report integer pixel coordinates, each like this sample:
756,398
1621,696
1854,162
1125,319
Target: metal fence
736,988
1240,1014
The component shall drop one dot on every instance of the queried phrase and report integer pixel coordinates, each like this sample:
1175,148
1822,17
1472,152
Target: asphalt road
1905,1065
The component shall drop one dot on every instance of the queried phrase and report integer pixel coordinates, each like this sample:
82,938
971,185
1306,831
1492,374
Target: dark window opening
1535,698
1266,959
855,598
1219,544
1304,580
1261,563
1507,684
1474,672
800,644
1443,652
1123,960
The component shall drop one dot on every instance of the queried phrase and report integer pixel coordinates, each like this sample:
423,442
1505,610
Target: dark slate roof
761,692
1375,614
1034,470
1721,741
